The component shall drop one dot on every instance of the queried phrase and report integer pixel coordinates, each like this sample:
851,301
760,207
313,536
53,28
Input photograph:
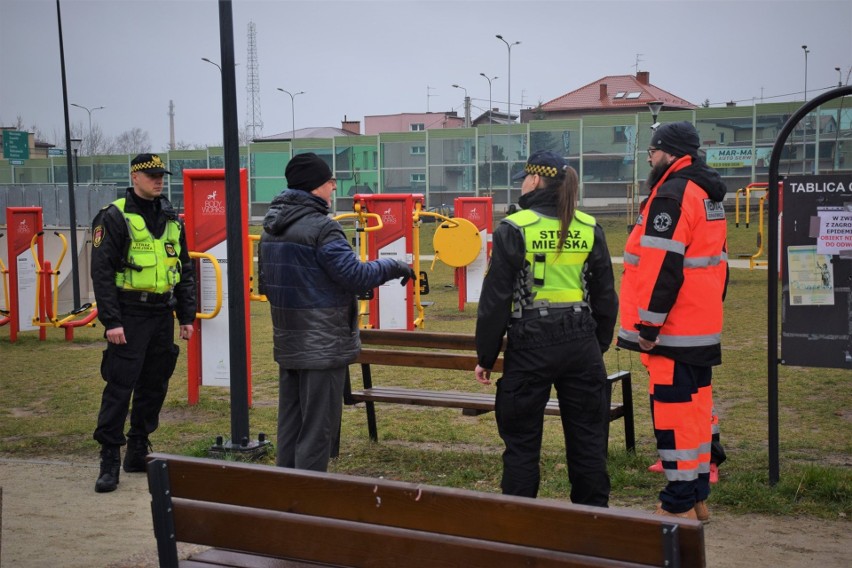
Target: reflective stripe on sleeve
667,245
653,317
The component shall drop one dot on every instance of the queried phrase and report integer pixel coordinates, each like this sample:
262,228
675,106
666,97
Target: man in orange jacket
675,279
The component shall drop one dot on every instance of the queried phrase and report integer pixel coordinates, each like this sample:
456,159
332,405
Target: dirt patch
50,515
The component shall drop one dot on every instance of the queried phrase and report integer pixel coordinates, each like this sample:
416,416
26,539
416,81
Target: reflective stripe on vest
158,259
557,275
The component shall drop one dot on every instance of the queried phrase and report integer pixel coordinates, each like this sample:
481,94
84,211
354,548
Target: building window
634,94
619,134
418,178
418,150
416,126
619,95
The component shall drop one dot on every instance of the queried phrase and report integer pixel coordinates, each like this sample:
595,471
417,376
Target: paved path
51,516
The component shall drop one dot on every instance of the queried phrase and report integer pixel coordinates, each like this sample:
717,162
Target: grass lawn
50,394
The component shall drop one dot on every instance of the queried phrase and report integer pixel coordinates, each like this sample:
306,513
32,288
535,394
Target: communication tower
254,123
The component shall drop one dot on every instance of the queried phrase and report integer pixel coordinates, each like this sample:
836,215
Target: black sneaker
134,459
110,467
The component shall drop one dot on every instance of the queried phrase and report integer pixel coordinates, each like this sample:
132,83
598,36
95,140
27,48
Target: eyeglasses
651,152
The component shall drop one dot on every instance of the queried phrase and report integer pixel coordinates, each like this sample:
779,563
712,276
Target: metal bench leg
370,405
162,511
671,546
627,402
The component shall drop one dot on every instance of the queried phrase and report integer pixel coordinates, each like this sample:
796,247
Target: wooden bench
263,516
451,351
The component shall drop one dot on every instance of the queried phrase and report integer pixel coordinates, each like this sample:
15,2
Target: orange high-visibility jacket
676,267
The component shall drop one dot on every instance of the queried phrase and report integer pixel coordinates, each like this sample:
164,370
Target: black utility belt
533,312
145,297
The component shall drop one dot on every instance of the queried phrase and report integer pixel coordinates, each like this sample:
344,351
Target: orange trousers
681,398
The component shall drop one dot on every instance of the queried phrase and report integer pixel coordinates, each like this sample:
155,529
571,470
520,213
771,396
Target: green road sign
16,145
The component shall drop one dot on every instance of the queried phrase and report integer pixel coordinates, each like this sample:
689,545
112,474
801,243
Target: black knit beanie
677,139
307,172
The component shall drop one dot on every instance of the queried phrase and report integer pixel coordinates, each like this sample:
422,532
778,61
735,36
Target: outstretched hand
405,272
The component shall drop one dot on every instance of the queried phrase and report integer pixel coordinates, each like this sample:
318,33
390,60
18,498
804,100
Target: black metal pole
233,229
72,206
772,276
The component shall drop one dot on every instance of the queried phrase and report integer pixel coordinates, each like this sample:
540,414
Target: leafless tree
184,145
133,141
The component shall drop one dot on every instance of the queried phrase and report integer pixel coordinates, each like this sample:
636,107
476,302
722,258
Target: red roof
621,91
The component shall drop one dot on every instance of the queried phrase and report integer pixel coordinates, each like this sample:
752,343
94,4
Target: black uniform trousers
139,371
555,350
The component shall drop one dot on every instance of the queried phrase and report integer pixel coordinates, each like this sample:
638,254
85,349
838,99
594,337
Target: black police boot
110,466
134,459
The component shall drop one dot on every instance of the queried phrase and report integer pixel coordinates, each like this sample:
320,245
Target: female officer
550,285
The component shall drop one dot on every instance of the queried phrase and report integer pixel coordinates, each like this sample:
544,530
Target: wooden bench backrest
423,339
339,519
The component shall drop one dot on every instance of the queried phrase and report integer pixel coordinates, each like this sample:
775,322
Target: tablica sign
817,237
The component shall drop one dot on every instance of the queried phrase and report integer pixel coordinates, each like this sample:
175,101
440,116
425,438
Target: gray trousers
310,406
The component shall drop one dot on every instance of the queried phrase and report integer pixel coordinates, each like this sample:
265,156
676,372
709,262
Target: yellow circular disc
457,242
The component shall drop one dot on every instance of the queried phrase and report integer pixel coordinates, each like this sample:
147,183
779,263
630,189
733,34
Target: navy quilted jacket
310,274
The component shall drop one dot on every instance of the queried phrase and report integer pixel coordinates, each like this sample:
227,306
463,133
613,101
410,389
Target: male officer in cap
675,279
550,289
141,275
311,277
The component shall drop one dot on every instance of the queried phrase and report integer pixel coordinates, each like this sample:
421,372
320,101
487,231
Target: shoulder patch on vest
98,236
714,210
662,222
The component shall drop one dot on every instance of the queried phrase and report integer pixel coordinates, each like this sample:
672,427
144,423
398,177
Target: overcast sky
360,57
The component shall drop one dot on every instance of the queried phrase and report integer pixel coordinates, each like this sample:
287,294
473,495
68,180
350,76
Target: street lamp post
839,77
292,110
212,63
654,107
75,147
466,106
490,122
509,121
89,111
805,123
509,76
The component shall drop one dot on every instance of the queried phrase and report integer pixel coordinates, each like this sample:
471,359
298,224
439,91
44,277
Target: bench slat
433,340
424,359
451,399
357,544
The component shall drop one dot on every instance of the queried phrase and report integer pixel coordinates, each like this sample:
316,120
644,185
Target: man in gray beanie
675,279
311,276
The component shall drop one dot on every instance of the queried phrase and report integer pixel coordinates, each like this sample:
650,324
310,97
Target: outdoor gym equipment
747,190
208,350
253,295
477,210
217,305
46,305
5,310
457,243
362,225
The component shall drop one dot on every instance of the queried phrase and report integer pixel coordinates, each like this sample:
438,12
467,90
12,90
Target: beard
655,174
